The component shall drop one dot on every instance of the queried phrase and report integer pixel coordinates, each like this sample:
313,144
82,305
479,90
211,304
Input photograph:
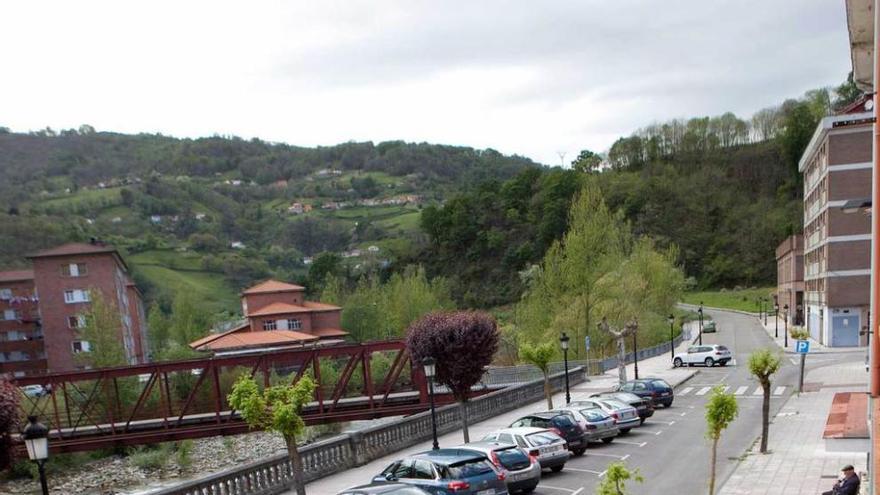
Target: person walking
848,485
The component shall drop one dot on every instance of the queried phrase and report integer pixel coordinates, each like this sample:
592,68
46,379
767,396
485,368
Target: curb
685,379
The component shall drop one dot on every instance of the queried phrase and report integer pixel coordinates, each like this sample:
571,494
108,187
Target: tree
721,410
462,343
614,482
160,329
846,94
587,162
276,409
103,333
9,416
620,337
763,364
540,355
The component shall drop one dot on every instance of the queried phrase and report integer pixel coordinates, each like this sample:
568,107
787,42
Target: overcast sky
527,77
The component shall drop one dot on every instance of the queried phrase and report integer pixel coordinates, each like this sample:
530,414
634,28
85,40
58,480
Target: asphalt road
670,450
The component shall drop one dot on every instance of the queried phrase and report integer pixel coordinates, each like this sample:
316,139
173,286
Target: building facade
52,302
790,279
836,168
277,316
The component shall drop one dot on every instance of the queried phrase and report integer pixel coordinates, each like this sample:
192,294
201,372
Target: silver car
542,444
625,416
597,424
522,472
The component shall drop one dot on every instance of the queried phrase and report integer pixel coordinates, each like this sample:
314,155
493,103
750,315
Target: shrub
184,454
150,458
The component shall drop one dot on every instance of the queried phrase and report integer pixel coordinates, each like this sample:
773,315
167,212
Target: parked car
447,471
625,416
657,390
644,406
34,390
709,327
562,424
384,488
522,473
596,423
540,443
707,355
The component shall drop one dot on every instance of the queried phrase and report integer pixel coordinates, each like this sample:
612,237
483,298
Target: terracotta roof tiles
234,340
16,275
273,286
73,248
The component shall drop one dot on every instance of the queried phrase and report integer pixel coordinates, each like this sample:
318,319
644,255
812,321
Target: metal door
845,330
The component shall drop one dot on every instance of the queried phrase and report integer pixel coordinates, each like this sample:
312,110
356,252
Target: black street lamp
671,320
636,355
766,308
776,317
785,317
36,439
430,369
563,342
700,311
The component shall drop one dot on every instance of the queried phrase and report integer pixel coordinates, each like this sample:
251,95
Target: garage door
845,330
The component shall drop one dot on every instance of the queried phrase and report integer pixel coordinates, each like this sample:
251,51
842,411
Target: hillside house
277,316
295,209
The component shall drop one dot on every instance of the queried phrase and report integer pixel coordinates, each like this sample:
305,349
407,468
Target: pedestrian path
742,390
775,327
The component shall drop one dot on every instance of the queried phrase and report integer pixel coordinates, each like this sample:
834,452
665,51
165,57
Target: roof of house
74,248
329,332
281,308
273,286
235,339
16,275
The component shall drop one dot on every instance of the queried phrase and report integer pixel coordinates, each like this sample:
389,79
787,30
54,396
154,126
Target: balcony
35,346
32,365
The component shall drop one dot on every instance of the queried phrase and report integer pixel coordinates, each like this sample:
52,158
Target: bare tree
630,328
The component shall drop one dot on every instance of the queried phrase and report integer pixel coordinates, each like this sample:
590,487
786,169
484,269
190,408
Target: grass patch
743,300
180,272
150,459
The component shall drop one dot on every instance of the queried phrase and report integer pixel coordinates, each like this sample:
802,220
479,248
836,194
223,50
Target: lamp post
636,355
766,309
36,439
785,317
776,317
700,311
430,369
563,342
671,320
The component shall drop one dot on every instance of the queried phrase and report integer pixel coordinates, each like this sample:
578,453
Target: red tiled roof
319,306
213,336
16,275
279,308
234,340
73,248
329,332
273,286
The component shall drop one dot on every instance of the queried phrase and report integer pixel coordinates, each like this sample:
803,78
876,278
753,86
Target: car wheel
578,452
723,363
556,469
624,431
641,421
608,440
677,363
528,490
709,362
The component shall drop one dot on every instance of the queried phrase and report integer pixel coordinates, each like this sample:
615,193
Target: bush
799,333
150,458
184,454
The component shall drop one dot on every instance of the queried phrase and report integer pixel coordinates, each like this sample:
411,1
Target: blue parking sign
803,346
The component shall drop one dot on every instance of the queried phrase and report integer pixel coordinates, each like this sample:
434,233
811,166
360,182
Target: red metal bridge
174,400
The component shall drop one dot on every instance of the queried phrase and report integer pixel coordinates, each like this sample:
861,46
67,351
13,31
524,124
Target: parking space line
597,473
603,473
682,414
667,423
621,457
624,457
658,432
642,444
686,391
569,490
578,491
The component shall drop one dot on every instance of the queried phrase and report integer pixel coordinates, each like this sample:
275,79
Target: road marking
658,432
625,442
779,390
603,473
741,390
703,390
624,457
597,473
621,457
686,391
758,391
682,414
793,361
569,490
667,423
578,491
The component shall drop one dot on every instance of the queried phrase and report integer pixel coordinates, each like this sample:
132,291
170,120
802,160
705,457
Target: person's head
848,470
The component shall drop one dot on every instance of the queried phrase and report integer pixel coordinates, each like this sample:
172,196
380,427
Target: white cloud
518,76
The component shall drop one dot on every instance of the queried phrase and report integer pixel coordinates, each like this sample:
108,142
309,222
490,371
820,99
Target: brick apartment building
276,316
836,167
790,278
43,307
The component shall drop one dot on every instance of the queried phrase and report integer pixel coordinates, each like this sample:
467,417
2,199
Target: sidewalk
815,347
798,462
658,366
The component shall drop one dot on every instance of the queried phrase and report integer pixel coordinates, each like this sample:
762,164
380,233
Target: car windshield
563,420
594,414
660,384
541,438
466,469
626,396
614,404
722,348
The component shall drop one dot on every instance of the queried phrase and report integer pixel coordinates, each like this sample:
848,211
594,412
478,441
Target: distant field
180,272
80,201
743,300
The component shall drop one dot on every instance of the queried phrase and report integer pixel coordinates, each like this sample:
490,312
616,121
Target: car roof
521,430
542,414
486,445
449,456
377,488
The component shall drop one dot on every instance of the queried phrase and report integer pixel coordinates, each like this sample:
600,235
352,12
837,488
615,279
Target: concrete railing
273,475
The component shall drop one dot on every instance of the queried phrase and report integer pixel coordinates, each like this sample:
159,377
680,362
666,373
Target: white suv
707,355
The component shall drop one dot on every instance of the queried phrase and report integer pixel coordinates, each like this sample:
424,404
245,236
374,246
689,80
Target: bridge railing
353,449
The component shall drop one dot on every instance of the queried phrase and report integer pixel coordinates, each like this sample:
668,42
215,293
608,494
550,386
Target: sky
534,78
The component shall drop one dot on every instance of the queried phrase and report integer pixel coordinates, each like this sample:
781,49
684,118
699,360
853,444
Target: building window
80,346
76,296
78,321
269,325
74,270
293,324
5,294
11,314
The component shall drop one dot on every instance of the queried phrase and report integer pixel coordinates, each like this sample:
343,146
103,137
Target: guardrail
273,475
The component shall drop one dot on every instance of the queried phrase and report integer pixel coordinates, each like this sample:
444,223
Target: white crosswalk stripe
779,391
741,390
758,391
685,391
703,390
725,389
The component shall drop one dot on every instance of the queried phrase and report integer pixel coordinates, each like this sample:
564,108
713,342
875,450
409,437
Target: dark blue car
447,471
